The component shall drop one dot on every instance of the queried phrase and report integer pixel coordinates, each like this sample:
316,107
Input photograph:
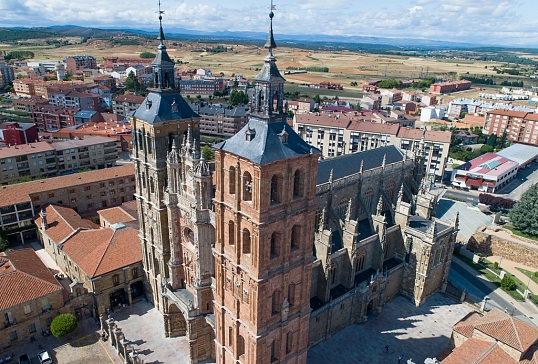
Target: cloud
474,21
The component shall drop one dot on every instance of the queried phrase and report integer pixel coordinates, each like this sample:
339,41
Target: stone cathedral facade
272,250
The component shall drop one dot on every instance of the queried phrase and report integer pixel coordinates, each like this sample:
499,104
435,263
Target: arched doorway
117,298
175,323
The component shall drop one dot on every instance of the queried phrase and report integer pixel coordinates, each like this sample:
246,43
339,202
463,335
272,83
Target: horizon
480,22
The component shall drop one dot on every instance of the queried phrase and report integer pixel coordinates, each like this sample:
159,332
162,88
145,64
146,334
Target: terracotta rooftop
391,129
517,114
507,329
129,98
466,325
21,192
115,215
23,278
62,221
474,351
101,251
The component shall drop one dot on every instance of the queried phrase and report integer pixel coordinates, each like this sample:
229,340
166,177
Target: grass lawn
530,274
492,277
519,233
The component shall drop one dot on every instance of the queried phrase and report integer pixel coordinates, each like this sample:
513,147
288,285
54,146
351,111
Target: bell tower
264,202
162,120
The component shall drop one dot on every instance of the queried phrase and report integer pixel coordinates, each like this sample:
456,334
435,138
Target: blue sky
496,22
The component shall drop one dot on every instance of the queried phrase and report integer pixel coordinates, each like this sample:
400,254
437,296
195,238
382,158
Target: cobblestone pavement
88,349
143,326
413,332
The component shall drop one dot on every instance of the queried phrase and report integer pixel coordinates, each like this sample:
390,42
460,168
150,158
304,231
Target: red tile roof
115,215
479,352
101,251
430,135
466,325
62,221
23,278
507,329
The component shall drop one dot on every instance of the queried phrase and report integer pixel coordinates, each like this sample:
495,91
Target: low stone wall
488,242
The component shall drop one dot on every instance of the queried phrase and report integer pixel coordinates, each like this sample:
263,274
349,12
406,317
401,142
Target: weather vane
272,7
160,11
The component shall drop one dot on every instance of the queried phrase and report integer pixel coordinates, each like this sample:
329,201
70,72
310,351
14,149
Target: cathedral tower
264,217
162,120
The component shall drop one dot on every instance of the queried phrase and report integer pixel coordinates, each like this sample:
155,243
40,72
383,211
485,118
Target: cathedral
269,249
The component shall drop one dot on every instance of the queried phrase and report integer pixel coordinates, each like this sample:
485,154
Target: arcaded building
275,250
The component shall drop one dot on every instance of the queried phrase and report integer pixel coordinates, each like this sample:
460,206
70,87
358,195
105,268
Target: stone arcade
276,250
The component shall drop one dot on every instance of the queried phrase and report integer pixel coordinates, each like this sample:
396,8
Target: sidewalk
526,308
510,267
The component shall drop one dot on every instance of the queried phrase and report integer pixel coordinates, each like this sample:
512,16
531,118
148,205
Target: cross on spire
161,33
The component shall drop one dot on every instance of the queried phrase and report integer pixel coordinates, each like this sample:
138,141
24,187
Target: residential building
466,137
267,263
202,87
52,118
450,86
431,112
24,87
49,159
493,337
518,126
106,81
86,191
337,134
126,104
106,261
371,102
78,63
138,70
429,100
8,74
27,104
220,120
30,297
73,99
121,63
17,134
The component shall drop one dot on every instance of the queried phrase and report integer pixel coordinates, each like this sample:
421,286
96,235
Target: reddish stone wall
488,242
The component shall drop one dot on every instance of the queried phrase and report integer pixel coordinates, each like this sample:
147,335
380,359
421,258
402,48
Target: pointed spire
322,220
384,162
380,205
361,169
270,44
331,176
348,212
161,37
401,192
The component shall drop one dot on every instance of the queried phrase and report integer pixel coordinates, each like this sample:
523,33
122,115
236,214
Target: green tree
238,98
132,84
4,243
317,99
290,114
63,324
147,55
207,152
524,214
9,88
508,284
492,140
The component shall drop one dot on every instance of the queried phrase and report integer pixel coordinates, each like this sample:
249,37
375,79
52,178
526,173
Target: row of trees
496,201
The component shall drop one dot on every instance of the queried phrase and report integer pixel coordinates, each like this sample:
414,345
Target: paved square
143,325
88,349
413,332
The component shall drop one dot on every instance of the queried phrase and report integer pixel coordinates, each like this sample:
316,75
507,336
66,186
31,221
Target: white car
44,357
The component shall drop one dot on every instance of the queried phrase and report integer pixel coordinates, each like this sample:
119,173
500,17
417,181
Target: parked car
24,359
44,357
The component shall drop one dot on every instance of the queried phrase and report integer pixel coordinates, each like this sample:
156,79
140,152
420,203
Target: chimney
43,216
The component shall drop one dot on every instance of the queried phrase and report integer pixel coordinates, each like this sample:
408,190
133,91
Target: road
465,277
525,178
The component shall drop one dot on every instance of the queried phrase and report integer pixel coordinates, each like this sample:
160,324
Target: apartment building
125,104
27,104
87,191
17,134
76,63
53,118
201,87
8,74
73,99
336,134
519,126
48,159
221,120
451,86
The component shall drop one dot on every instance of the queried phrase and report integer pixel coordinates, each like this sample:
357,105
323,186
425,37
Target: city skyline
485,22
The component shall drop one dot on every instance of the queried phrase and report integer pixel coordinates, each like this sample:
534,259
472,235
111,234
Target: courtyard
414,332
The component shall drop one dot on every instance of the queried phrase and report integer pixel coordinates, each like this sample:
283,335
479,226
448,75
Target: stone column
118,335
